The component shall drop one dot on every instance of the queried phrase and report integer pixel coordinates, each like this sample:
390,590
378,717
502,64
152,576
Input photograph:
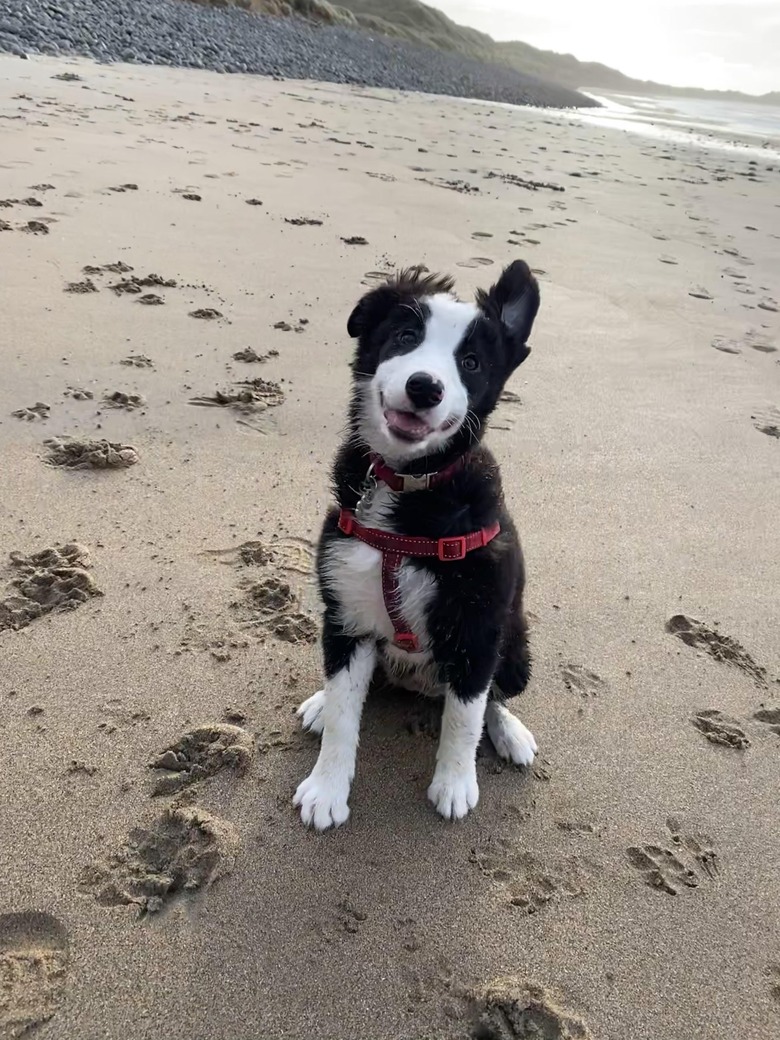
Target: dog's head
428,367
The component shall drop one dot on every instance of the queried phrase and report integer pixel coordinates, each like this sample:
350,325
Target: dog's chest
353,572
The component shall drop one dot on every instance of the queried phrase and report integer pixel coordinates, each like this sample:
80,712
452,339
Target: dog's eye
470,362
408,338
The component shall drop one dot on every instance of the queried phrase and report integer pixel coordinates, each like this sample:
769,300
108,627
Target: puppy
420,568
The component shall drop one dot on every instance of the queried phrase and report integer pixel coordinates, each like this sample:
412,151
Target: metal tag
367,492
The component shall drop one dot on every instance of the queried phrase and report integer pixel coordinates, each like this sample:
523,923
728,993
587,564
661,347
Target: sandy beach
179,253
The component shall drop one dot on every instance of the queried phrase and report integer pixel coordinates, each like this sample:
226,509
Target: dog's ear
514,300
407,284
371,310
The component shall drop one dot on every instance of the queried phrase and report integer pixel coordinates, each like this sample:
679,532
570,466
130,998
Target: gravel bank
180,33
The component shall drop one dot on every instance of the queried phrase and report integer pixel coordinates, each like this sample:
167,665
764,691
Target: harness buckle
407,641
453,548
413,483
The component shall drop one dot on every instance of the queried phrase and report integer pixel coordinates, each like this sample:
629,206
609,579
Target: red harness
394,547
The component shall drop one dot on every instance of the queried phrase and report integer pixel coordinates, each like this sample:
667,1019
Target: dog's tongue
407,424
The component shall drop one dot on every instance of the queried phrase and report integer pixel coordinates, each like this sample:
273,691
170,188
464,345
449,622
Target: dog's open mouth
407,426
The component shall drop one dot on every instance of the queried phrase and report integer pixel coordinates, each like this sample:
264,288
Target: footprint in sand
39,410
303,221
758,341
773,973
286,554
180,852
769,716
768,422
80,288
201,753
116,267
137,361
250,356
583,680
475,261
120,399
753,338
34,954
206,314
727,346
723,648
482,234
255,396
375,277
529,884
690,860
700,293
72,453
54,579
511,1008
719,728
271,604
503,421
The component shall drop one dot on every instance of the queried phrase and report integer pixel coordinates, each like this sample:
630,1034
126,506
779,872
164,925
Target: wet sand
179,256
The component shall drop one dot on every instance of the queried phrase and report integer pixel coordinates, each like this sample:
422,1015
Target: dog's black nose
423,390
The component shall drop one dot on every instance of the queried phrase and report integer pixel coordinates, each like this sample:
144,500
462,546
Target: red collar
408,481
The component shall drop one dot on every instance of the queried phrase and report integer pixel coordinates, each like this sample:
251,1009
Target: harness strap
394,547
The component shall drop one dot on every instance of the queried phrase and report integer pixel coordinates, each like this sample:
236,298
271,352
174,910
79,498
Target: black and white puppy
428,371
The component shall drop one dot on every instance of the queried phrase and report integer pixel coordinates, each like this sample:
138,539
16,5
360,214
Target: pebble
228,39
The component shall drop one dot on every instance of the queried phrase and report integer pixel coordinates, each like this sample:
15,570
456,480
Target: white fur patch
322,797
510,737
353,571
454,789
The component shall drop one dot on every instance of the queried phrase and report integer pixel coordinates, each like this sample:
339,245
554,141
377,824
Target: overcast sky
695,43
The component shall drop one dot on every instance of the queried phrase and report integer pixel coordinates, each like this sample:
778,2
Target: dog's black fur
476,623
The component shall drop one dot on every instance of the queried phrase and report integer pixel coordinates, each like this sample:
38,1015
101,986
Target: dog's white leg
510,737
323,795
454,789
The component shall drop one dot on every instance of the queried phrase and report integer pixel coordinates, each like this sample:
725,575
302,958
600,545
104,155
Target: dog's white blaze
445,328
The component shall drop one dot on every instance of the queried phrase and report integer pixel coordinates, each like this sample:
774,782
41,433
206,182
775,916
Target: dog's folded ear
371,310
514,301
410,283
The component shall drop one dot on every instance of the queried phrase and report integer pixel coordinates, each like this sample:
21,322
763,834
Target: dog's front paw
454,793
322,800
512,740
310,712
